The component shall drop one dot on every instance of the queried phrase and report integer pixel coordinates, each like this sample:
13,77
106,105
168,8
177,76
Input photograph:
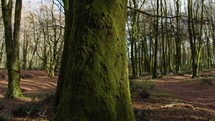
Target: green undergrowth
5,117
36,109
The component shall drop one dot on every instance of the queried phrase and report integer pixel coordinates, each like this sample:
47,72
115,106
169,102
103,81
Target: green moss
96,82
14,90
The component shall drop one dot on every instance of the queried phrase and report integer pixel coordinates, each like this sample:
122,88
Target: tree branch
151,15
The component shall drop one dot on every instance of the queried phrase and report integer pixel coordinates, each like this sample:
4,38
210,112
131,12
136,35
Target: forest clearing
171,98
107,60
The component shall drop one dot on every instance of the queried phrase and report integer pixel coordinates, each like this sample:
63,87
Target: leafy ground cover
170,98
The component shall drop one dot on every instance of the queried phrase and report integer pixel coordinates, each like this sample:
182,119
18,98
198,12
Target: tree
43,37
192,40
36,35
12,36
65,53
133,38
154,74
163,41
178,40
2,50
52,31
96,85
199,55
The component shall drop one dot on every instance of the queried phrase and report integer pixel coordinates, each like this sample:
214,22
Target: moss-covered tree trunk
12,46
95,84
65,54
199,55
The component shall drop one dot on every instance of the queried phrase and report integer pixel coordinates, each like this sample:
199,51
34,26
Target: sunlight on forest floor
172,97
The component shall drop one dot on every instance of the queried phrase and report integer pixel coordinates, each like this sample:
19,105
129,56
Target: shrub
144,93
142,114
2,106
5,117
207,81
28,109
33,109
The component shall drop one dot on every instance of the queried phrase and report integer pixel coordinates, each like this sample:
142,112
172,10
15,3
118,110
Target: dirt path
192,91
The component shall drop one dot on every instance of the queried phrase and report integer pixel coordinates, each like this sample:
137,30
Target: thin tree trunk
192,38
25,50
199,56
178,40
154,76
163,43
209,60
2,51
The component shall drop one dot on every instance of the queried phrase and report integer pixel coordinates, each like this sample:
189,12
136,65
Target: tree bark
164,67
65,54
12,46
154,75
192,39
178,41
199,56
95,84
1,52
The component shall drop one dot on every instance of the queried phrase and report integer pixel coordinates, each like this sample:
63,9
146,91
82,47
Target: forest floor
36,105
170,98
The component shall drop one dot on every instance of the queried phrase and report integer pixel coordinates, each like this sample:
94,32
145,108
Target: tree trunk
1,52
192,39
95,84
200,38
163,43
25,50
178,40
133,42
65,54
12,46
147,64
209,60
154,75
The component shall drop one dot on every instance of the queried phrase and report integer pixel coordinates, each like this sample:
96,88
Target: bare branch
151,15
